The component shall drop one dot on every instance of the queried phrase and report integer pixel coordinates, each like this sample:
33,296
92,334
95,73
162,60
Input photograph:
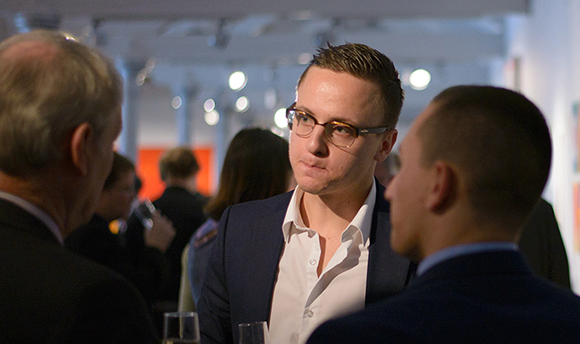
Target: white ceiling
457,40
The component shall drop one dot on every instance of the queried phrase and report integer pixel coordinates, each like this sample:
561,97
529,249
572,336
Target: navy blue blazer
243,267
51,295
488,297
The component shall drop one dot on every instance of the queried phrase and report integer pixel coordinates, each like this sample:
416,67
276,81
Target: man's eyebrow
333,119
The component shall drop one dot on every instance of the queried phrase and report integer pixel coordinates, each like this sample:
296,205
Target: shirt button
308,313
312,261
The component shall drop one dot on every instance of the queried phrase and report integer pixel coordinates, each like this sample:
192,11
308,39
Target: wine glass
254,333
180,328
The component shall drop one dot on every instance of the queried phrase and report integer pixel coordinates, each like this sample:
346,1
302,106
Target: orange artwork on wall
148,170
576,237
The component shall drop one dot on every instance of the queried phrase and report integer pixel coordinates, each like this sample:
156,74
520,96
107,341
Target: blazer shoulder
265,206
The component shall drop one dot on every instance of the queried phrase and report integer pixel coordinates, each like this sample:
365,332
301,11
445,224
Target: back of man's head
500,143
178,163
49,84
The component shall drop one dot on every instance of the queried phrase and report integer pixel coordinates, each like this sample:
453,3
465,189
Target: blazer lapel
266,244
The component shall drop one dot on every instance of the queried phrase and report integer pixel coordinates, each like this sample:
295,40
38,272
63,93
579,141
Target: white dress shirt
302,300
36,211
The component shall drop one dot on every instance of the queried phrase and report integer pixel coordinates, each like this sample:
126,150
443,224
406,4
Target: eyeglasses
339,134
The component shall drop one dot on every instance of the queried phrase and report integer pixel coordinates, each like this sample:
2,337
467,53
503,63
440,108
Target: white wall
548,45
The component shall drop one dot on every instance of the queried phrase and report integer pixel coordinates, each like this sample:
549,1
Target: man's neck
330,214
45,192
33,200
184,183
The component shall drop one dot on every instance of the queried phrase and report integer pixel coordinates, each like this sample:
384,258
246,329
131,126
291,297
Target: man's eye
305,119
342,130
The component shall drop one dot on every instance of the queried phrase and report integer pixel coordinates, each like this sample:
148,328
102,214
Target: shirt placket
310,310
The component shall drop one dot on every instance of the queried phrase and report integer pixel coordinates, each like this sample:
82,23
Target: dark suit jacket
147,271
243,267
185,210
489,297
542,246
51,295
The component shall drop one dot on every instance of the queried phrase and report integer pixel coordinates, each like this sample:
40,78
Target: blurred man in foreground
60,112
474,164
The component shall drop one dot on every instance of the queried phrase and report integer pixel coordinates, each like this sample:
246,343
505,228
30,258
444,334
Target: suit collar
15,217
474,264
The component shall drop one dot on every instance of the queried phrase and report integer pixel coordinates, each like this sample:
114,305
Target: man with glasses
322,251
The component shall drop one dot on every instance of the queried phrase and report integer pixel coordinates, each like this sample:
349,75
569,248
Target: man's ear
388,141
443,187
79,147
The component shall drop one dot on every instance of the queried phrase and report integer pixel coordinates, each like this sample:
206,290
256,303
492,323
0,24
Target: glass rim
179,314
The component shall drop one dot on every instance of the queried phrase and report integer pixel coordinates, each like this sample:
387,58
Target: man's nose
317,141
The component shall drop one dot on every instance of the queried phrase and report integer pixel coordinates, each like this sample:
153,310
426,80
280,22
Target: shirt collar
361,222
36,211
460,250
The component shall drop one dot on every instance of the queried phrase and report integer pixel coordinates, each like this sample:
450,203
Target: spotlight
212,117
176,102
419,79
238,80
280,118
242,104
209,105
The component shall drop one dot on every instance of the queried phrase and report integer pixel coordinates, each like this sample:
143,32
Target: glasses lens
304,123
341,135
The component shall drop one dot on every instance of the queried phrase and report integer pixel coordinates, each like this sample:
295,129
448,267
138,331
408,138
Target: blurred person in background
255,167
183,205
542,246
148,270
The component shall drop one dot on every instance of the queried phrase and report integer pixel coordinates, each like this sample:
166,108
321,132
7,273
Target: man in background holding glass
321,251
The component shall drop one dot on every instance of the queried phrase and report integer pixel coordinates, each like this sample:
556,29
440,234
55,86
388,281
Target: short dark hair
256,167
120,165
178,162
500,142
368,64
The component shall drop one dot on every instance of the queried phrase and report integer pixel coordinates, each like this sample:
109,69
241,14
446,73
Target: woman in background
256,167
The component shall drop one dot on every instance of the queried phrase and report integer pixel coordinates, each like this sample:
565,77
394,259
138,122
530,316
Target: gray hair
43,97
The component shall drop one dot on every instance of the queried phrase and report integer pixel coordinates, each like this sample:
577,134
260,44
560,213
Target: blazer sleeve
214,304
